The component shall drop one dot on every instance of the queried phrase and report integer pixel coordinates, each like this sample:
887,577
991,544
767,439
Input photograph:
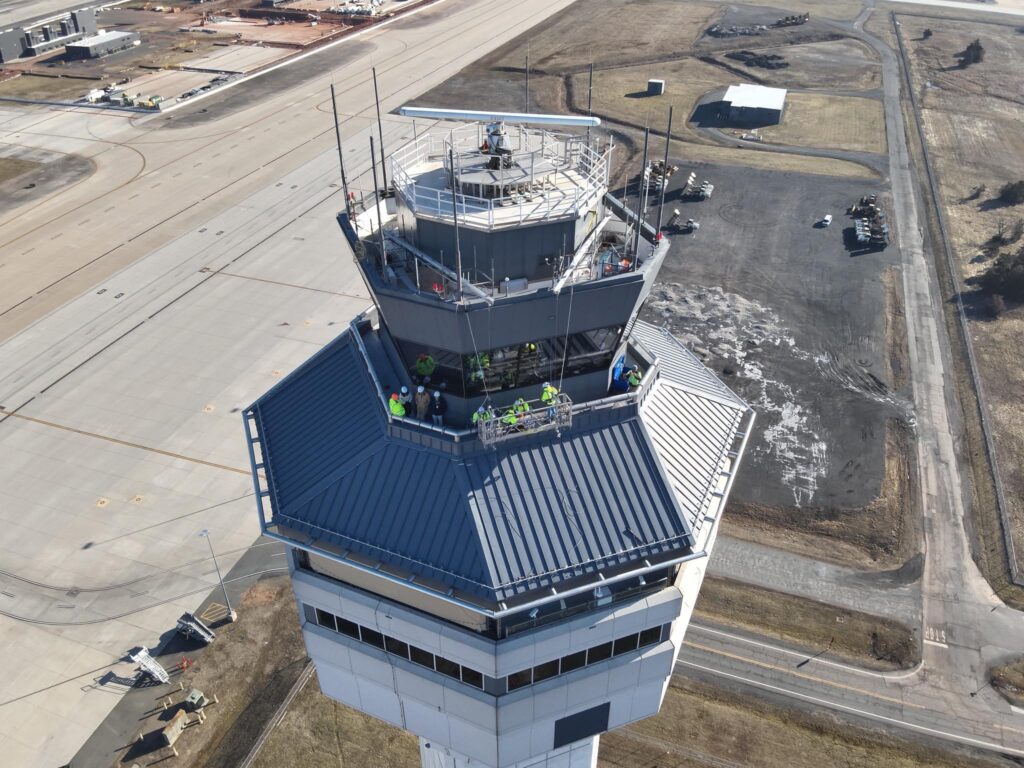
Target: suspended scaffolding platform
525,417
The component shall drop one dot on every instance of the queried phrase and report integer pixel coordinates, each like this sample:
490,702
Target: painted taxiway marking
862,712
936,643
803,676
118,441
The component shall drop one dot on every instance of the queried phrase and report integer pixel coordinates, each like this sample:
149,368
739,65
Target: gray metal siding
681,366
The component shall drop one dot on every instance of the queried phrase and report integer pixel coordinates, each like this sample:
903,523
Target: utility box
195,700
655,87
173,729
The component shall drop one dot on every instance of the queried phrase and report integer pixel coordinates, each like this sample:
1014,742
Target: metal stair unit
150,666
541,417
194,629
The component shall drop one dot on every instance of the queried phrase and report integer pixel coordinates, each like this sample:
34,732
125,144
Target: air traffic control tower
511,588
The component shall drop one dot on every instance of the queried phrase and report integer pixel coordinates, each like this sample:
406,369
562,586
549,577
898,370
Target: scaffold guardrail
525,417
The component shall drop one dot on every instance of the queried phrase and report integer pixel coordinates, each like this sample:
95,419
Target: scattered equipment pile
870,225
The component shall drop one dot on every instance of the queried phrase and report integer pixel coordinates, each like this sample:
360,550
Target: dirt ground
868,641
846,65
250,667
830,122
972,120
1008,679
699,725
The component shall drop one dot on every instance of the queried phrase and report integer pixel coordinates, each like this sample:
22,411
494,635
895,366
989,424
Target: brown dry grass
847,65
703,725
869,641
972,120
1008,679
830,122
37,87
11,167
318,732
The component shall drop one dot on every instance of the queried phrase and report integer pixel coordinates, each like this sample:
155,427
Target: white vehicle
826,220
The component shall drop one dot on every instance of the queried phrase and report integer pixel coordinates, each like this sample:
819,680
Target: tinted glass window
472,677
447,667
573,661
650,636
520,679
347,627
396,647
545,670
536,361
625,644
599,653
325,619
424,658
310,613
372,637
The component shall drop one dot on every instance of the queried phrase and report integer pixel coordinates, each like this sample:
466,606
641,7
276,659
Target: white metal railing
584,168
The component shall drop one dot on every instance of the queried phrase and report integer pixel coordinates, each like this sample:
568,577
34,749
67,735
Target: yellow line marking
126,443
812,678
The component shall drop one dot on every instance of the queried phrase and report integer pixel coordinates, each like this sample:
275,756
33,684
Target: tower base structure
580,754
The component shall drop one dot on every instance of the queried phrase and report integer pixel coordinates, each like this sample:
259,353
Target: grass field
702,725
847,65
699,725
11,167
830,122
972,120
37,87
869,641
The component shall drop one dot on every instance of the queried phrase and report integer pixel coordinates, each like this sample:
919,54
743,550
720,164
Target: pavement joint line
126,443
789,652
222,273
810,678
863,713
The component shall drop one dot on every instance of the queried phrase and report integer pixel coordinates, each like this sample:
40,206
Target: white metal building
754,104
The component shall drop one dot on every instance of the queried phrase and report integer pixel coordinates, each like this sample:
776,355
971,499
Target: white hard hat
420,389
437,393
547,383
405,390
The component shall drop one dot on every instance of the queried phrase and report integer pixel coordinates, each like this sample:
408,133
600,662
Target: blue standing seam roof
536,511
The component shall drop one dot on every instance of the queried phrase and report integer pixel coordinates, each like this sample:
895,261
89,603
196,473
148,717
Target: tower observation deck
503,556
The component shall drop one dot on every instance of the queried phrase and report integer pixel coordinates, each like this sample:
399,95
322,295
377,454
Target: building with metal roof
511,574
749,104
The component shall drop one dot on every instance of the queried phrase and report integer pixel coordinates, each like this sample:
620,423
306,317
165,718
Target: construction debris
793,21
762,60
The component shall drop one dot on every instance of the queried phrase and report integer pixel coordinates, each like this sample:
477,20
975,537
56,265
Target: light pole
205,534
